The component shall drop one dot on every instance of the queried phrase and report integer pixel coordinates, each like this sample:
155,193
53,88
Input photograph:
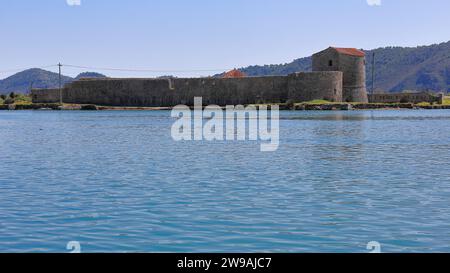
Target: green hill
35,77
38,78
425,68
89,75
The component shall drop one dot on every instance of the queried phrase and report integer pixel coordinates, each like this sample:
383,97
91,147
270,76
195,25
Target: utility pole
373,73
60,85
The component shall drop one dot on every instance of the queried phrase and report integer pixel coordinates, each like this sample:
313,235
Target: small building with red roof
235,73
350,51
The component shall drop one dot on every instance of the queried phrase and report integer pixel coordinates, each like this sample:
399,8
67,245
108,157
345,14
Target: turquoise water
117,182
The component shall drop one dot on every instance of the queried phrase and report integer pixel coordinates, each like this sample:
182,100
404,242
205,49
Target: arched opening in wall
330,63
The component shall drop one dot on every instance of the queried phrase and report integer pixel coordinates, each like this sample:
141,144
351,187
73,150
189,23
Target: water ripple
116,182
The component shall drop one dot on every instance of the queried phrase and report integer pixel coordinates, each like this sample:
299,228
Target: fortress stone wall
45,95
338,75
315,86
352,63
221,91
407,98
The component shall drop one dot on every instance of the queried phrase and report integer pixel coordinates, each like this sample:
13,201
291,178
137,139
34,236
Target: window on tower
330,63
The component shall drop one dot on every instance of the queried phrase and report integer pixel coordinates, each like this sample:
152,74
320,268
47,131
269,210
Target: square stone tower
350,61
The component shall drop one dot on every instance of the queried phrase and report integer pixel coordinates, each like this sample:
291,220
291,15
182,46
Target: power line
220,70
60,84
144,70
373,73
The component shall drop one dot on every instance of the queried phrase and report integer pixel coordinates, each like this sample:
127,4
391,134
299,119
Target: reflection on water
366,115
115,181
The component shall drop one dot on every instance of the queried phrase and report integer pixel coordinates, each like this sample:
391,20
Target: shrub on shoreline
13,98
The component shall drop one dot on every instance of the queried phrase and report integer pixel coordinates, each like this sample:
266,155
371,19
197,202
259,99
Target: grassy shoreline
24,103
308,106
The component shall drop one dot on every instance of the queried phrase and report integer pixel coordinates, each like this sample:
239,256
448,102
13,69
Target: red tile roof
350,51
234,74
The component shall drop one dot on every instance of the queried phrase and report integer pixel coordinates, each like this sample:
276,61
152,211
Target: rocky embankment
296,107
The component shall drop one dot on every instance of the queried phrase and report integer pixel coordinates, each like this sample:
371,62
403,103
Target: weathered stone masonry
407,98
165,92
45,95
338,76
352,63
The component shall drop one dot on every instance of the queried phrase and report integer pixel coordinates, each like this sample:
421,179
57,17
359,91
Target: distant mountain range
22,82
424,68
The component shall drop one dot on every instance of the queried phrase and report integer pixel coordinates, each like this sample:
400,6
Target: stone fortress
338,76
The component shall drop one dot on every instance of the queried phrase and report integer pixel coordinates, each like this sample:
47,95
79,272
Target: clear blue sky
205,34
